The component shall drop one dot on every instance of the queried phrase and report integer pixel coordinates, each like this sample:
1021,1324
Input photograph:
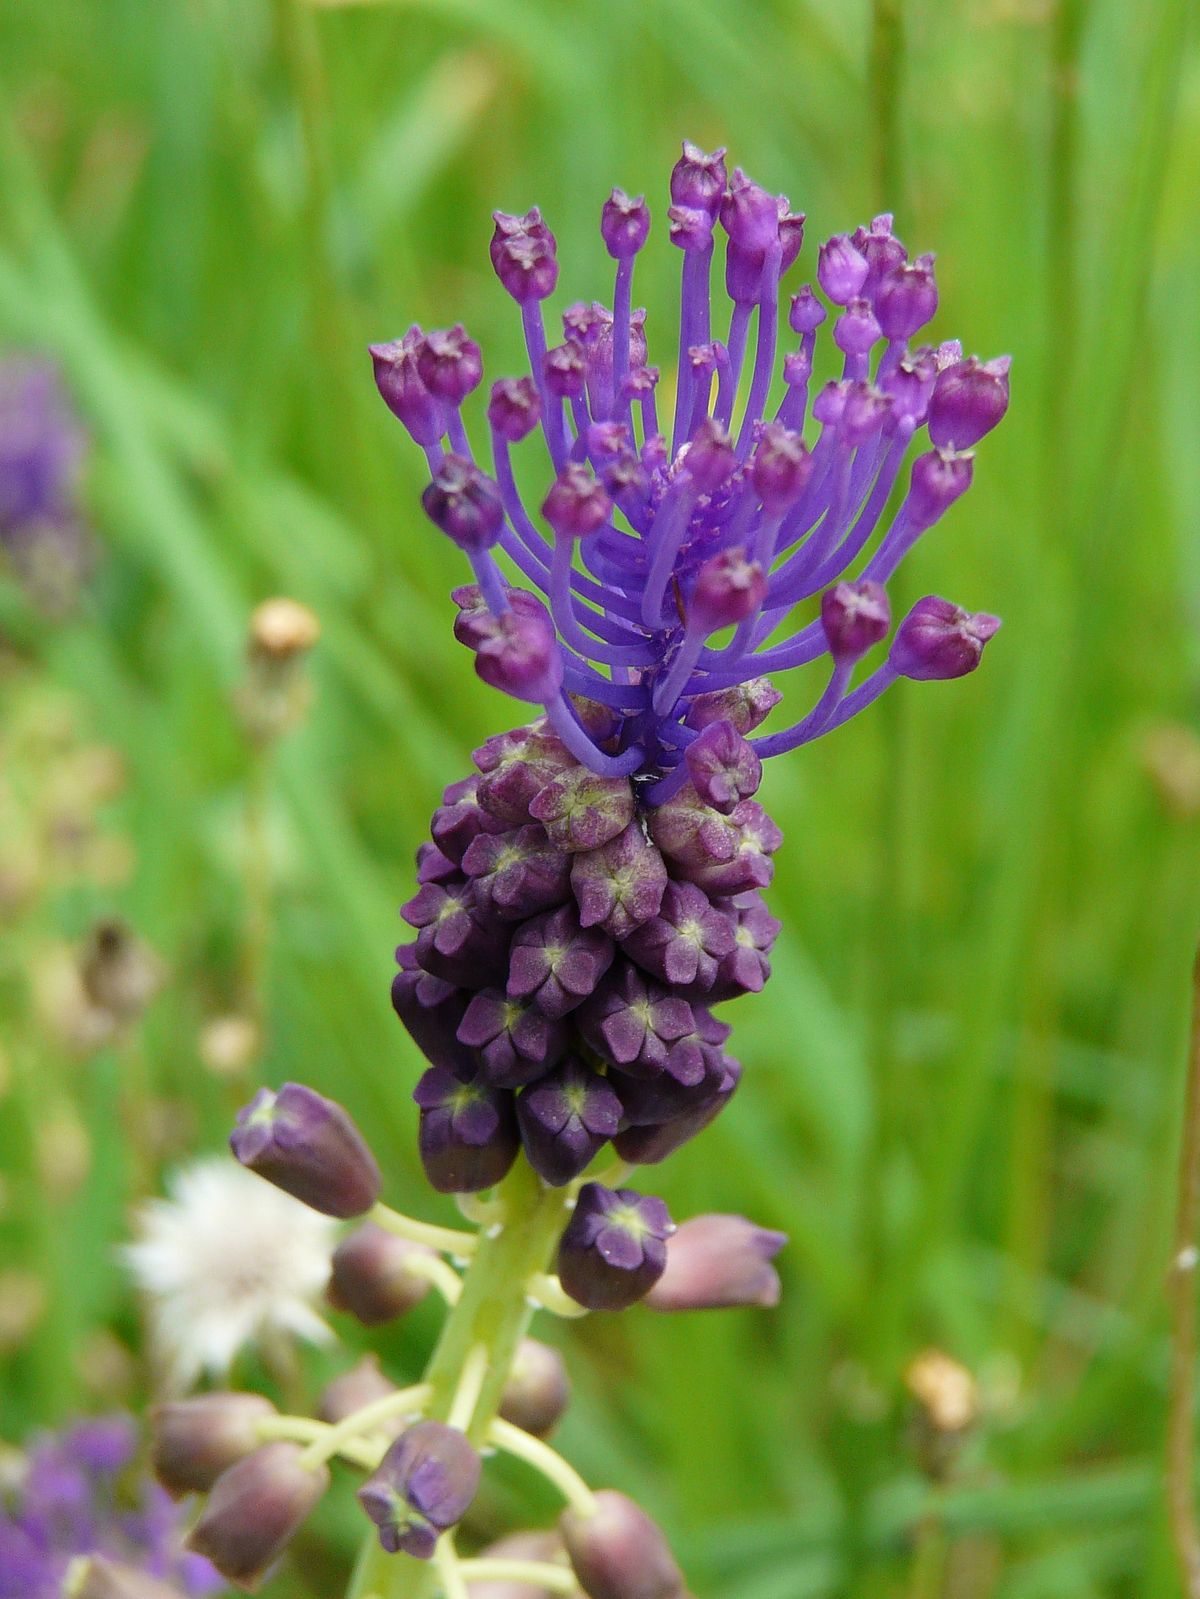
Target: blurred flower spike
655,537
43,529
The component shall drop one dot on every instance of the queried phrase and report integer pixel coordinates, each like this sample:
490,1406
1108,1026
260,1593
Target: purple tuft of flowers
595,886
79,1492
42,449
670,557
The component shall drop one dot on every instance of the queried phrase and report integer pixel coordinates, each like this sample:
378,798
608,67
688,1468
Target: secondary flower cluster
264,1473
76,1517
569,949
42,446
654,542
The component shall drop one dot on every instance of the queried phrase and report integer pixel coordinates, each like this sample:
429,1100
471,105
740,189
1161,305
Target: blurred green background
962,1084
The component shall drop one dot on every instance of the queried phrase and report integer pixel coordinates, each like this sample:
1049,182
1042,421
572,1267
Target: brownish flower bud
254,1511
372,1276
362,1385
195,1440
617,1552
538,1390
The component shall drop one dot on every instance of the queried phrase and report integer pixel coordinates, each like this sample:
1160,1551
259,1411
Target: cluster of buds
263,1473
569,949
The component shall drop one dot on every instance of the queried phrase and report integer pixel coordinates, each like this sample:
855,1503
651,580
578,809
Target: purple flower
77,1493
614,1248
468,1134
308,1146
727,517
566,1118
423,1486
596,884
42,450
715,1262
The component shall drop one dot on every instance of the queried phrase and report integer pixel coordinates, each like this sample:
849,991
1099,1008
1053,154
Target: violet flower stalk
594,888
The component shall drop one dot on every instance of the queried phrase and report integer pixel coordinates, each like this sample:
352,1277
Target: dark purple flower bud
718,1262
756,840
399,382
633,1023
691,833
363,1384
841,269
308,1146
830,404
519,655
684,944
910,384
459,819
450,364
565,370
456,940
694,1108
431,1010
538,1389
576,504
565,1120
620,885
468,1135
907,298
747,706
614,1247
423,1486
514,408
881,249
255,1509
969,399
855,616
698,180
618,1553
749,215
433,866
516,1041
690,227
806,313
465,504
519,873
780,468
556,963
710,456
746,968
195,1440
581,810
624,224
728,589
524,256
723,767
939,477
856,330
515,767
372,1278
938,639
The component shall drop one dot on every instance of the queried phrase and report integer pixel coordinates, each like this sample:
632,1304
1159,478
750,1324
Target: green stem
493,1311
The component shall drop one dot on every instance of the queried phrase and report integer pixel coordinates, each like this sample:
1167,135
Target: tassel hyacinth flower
594,888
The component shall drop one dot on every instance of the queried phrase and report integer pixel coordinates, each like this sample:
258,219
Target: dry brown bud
229,1045
281,628
121,974
944,1389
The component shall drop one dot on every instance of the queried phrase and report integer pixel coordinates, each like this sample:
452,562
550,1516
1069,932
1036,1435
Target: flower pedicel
594,888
